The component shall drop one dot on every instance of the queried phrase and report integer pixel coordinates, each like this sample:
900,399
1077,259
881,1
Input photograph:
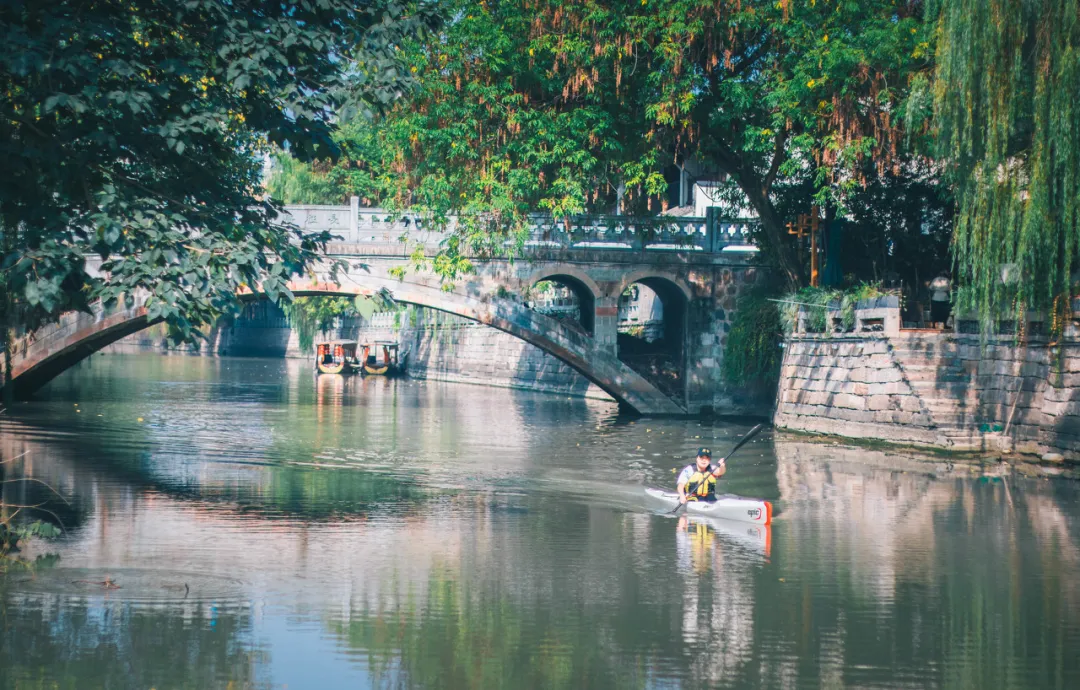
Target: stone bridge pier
696,271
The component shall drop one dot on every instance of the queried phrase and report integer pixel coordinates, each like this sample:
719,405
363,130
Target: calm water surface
267,529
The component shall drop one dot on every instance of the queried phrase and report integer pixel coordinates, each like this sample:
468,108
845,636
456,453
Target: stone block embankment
852,387
935,389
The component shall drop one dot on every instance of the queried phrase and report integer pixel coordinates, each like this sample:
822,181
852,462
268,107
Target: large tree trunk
756,187
772,226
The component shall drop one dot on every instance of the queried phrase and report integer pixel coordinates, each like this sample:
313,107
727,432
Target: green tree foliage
12,534
294,182
17,523
132,130
360,169
1008,123
553,105
898,228
816,303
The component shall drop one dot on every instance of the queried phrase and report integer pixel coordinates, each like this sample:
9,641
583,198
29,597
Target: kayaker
697,481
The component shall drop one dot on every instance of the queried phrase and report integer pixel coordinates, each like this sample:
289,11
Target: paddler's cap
704,453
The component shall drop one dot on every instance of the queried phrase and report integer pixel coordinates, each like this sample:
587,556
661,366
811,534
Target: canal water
258,527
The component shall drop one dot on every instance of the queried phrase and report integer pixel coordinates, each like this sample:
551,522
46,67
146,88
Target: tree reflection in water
55,642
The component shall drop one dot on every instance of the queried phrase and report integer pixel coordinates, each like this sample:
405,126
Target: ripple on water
145,585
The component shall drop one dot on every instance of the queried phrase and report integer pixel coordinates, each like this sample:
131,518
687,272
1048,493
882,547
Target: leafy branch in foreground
11,534
15,527
132,134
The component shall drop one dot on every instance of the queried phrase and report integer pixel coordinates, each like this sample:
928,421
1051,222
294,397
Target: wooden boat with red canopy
336,357
381,359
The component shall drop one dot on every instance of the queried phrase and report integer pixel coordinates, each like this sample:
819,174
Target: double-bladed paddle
749,435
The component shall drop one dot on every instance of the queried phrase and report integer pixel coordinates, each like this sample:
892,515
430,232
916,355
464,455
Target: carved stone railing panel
376,226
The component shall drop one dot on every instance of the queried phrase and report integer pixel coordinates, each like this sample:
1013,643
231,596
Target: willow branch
4,462
36,481
36,506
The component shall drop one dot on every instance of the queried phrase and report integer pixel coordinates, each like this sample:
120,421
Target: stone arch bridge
696,267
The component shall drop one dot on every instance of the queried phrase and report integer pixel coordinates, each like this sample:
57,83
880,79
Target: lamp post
808,224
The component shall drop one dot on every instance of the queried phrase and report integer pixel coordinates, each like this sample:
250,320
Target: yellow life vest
701,485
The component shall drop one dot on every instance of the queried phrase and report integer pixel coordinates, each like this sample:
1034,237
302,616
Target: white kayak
726,507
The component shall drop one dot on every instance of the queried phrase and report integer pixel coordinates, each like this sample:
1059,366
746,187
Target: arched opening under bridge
652,332
565,298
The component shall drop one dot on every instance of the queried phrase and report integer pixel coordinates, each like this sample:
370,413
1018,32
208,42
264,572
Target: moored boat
726,507
382,359
336,357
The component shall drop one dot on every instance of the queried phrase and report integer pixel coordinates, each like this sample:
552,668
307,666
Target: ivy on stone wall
752,353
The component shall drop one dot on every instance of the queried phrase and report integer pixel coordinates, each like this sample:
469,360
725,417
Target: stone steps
961,439
918,372
918,360
948,405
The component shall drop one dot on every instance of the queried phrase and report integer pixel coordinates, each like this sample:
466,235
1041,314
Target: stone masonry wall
711,314
453,349
935,389
851,387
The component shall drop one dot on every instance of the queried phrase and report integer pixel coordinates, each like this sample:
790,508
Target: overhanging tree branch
779,153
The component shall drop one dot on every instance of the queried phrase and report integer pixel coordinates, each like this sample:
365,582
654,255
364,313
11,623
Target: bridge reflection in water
412,534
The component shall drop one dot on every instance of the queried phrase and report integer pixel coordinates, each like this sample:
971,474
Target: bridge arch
653,328
54,349
653,278
583,289
568,272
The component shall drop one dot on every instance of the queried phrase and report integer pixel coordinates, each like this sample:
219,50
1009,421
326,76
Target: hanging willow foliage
309,316
1007,110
